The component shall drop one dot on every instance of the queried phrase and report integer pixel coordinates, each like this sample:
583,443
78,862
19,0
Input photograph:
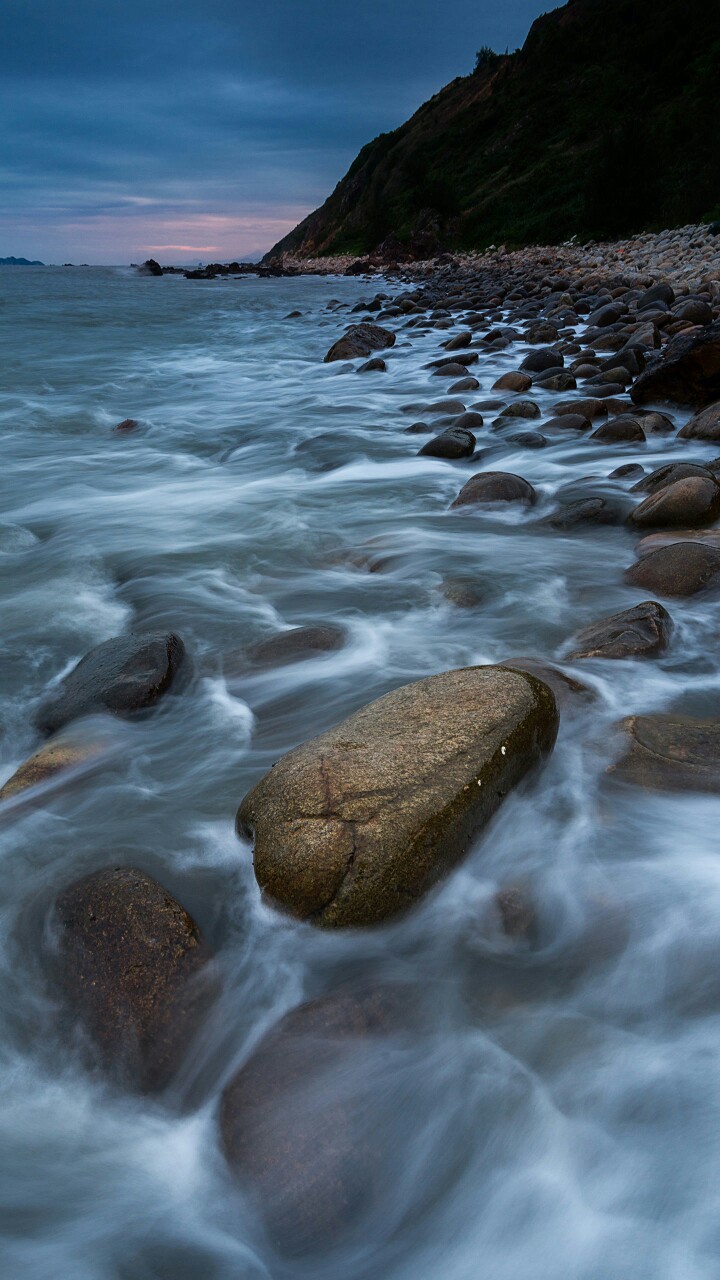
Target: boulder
591,408
641,632
680,569
130,961
568,422
671,753
294,1118
150,268
469,421
357,824
669,474
296,644
687,503
628,471
462,339
687,373
527,440
122,675
453,443
495,486
127,425
465,384
514,381
619,430
64,758
705,425
545,358
521,409
360,340
376,365
450,371
566,689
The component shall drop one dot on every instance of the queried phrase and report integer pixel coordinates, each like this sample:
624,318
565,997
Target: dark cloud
128,125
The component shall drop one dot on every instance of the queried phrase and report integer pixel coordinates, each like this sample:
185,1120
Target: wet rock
359,823
709,537
495,486
469,421
527,440
656,424
460,340
517,914
521,409
681,569
130,960
671,753
514,381
568,422
668,474
621,430
629,471
150,268
687,373
567,689
561,381
641,632
445,407
464,593
64,758
297,644
545,358
591,408
657,293
376,365
465,384
687,503
450,371
293,1119
704,425
592,509
129,673
361,340
454,443
417,429
127,424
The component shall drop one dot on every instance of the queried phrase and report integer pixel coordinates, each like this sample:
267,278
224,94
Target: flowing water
556,1113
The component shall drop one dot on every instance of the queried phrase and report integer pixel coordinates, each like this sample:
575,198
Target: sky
200,130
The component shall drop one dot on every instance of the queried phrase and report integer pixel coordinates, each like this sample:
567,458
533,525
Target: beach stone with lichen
357,824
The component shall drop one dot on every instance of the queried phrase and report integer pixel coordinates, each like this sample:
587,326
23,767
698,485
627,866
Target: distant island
20,262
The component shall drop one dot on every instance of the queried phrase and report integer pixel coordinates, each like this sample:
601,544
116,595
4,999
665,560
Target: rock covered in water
495,486
63,758
296,644
671,753
567,689
360,340
687,373
357,824
681,569
293,1118
122,675
641,632
130,961
453,443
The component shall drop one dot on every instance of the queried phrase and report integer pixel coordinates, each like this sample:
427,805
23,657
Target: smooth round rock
513,381
568,422
704,425
685,504
122,675
357,824
621,430
671,753
681,569
452,444
495,486
296,644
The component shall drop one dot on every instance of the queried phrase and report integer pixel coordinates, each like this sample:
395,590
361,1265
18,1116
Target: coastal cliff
603,124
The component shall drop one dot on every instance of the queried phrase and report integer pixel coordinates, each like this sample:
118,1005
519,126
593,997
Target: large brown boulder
453,443
671,753
294,1120
688,373
687,503
641,632
357,824
681,569
668,474
63,759
495,486
360,340
131,961
122,675
705,425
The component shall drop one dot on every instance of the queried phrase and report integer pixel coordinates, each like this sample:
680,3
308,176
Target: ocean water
556,1110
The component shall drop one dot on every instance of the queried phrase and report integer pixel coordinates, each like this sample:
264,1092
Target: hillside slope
604,123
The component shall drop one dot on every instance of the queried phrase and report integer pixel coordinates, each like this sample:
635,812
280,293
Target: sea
556,1112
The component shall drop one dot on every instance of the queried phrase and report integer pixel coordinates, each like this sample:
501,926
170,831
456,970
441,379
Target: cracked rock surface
355,825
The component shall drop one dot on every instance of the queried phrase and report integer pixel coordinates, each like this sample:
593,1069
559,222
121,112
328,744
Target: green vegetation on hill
604,124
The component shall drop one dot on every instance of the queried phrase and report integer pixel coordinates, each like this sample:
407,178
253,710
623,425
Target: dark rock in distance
641,632
122,675
360,340
131,961
297,644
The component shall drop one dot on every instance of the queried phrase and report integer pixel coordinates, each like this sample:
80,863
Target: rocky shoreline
356,825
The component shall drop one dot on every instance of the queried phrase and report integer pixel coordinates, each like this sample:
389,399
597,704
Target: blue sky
201,129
